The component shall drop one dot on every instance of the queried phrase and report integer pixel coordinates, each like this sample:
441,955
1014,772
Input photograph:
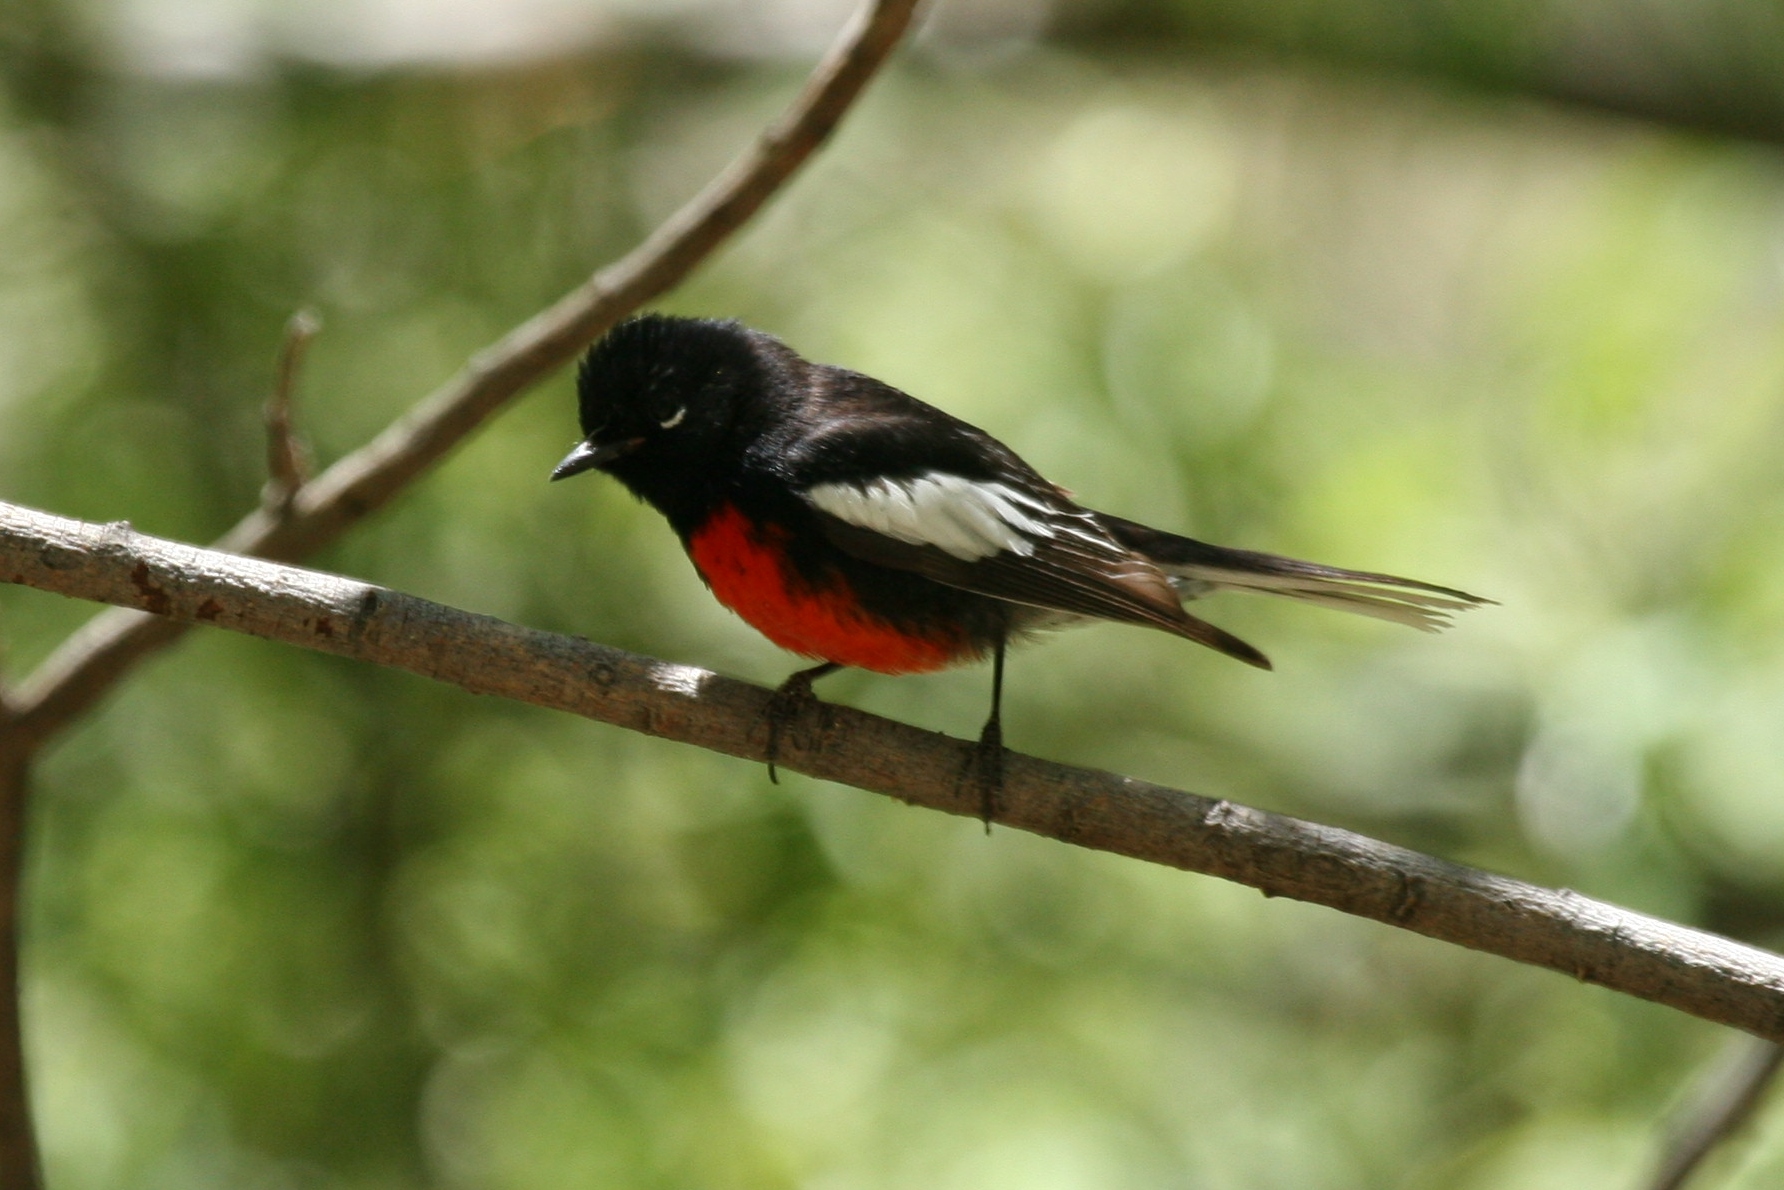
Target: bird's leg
790,698
987,761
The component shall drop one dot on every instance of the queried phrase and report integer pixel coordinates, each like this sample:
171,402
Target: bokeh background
1488,292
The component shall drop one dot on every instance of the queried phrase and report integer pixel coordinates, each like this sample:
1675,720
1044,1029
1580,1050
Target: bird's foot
788,703
985,766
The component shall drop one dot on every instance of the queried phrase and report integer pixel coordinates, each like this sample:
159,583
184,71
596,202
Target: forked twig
93,659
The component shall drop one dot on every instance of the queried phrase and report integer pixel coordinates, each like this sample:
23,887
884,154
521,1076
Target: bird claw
985,764
788,702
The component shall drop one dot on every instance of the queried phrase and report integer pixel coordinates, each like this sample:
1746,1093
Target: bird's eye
674,419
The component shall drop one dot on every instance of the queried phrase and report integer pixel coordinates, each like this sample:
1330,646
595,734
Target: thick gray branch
87,664
1698,973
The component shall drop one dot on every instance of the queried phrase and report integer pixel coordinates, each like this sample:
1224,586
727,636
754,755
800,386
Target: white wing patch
970,519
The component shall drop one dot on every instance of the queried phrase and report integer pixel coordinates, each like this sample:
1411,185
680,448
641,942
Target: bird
859,527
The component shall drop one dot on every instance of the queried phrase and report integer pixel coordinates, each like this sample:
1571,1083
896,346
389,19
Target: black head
658,397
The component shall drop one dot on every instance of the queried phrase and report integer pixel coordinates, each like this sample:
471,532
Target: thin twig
93,658
1719,1111
1695,972
287,455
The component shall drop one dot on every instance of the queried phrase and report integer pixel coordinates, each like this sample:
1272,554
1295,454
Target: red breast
747,568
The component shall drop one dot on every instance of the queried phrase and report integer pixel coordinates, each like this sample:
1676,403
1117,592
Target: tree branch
287,458
1707,976
86,666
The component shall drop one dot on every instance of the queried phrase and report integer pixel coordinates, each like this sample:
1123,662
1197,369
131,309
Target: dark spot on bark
210,609
1412,896
369,604
1068,819
324,626
603,673
154,599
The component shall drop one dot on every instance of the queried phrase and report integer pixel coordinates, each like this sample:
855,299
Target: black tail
1197,568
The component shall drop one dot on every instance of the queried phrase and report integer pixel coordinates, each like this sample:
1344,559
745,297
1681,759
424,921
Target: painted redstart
856,525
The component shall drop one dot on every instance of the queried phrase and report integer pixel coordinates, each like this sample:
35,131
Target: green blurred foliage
1713,65
299,923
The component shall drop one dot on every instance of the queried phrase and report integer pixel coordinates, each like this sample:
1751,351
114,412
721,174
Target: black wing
900,484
